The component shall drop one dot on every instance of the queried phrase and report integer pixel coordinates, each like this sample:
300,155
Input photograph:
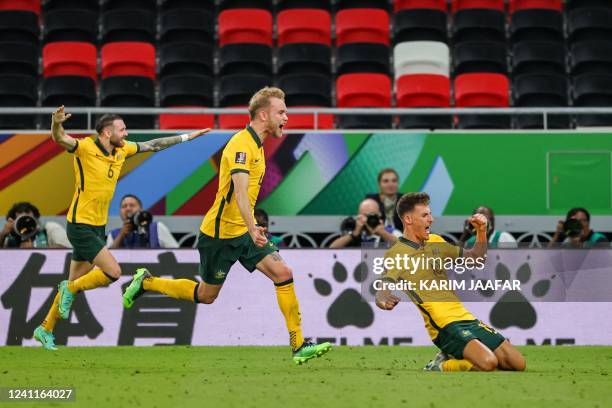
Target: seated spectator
139,230
386,198
367,226
261,217
497,239
576,230
23,229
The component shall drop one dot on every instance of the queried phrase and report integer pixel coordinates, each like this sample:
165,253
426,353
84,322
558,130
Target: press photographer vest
132,240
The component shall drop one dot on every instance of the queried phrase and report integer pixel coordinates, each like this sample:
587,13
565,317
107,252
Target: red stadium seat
307,120
480,4
28,5
484,90
245,26
363,90
423,91
70,58
535,4
303,26
128,58
234,120
419,4
184,121
362,25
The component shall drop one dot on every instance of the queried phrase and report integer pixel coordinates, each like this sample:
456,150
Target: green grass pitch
266,377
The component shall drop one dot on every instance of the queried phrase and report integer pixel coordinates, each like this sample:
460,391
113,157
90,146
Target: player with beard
97,165
229,232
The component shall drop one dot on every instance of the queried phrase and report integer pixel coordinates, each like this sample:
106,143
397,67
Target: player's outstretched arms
479,250
57,129
156,145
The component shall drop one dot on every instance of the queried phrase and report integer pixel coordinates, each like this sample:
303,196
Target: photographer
24,230
139,230
387,197
262,220
367,226
576,231
495,238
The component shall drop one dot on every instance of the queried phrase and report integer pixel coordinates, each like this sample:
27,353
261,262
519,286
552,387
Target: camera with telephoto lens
25,227
141,220
373,220
572,227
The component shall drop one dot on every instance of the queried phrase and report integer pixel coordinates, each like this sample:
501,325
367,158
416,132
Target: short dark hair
130,196
258,212
575,211
22,207
106,120
385,171
407,202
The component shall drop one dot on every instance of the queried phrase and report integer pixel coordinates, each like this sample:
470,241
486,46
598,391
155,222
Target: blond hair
261,99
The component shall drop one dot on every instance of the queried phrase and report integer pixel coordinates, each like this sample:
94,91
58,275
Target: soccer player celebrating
97,165
228,232
465,342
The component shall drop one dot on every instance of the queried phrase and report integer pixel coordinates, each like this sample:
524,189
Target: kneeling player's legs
480,355
509,357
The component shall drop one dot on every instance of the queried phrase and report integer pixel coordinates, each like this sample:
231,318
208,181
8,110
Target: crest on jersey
240,158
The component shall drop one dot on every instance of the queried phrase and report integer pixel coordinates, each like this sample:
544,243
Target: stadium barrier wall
329,290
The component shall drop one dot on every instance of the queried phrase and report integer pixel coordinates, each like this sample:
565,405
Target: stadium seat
234,120
245,4
52,5
128,25
69,91
537,90
236,90
536,25
479,25
478,4
190,4
18,91
305,91
186,91
245,59
420,4
187,25
70,58
25,5
19,26
303,4
423,91
305,59
591,57
479,56
420,25
130,91
245,26
186,58
128,58
71,25
140,5
536,57
482,90
362,57
421,57
516,5
303,26
363,91
18,58
577,4
362,25
593,91
590,24
367,4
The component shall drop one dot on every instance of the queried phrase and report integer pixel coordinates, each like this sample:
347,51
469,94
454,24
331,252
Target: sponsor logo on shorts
466,333
220,275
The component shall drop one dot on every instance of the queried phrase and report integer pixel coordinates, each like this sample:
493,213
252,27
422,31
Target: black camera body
25,227
373,220
141,220
349,223
572,227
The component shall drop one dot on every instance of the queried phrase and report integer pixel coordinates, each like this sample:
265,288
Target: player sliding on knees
97,165
465,343
228,232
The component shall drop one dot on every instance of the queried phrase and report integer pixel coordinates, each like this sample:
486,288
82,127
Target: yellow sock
177,288
457,365
288,303
52,317
94,279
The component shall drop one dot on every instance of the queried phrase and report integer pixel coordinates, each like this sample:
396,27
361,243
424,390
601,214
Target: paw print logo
513,308
349,308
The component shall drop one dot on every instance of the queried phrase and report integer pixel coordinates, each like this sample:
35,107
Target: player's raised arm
479,250
241,185
155,145
57,130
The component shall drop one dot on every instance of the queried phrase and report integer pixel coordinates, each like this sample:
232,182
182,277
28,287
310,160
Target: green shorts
87,240
453,338
218,255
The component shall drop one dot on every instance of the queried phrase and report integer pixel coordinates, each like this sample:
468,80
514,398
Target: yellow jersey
243,153
96,174
438,307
